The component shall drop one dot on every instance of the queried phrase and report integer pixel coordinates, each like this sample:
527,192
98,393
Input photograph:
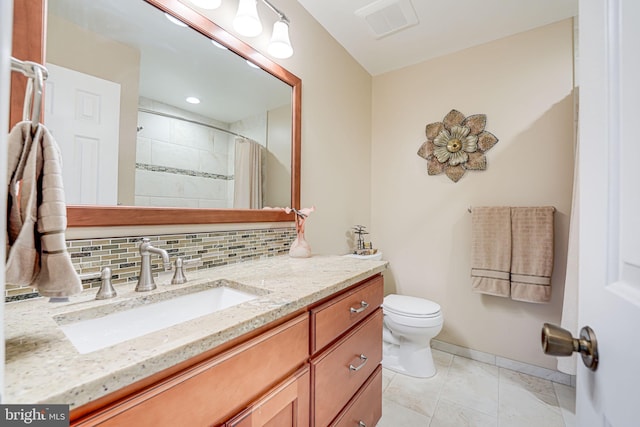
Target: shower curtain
247,189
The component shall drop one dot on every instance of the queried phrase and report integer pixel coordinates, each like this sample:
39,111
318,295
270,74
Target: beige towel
37,254
491,250
532,253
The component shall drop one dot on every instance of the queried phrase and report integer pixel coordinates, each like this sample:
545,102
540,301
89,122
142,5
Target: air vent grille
386,17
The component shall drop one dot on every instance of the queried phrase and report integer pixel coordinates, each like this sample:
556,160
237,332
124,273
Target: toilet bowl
409,325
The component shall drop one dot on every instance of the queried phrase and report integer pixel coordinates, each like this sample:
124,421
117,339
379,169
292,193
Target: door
609,260
83,114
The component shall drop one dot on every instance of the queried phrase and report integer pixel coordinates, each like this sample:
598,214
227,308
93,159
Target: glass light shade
207,4
247,21
280,45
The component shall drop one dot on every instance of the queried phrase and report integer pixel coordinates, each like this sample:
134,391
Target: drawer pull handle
357,368
361,424
363,307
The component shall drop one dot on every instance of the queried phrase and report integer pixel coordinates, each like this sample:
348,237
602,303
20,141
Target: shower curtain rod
171,116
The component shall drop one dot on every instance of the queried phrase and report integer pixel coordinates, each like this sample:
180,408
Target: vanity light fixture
280,45
247,23
192,100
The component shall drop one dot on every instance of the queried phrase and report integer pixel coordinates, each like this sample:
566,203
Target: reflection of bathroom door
83,114
609,260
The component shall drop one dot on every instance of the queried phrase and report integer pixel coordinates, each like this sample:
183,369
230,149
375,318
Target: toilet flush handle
363,307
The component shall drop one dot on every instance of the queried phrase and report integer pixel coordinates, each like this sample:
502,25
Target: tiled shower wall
213,248
182,163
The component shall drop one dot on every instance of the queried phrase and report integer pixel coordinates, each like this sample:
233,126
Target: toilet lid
410,306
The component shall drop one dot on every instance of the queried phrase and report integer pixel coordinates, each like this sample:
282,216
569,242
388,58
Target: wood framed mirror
30,15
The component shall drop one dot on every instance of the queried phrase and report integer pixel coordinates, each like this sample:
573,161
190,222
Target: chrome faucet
145,280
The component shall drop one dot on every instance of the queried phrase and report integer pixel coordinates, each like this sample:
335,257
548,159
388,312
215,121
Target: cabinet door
287,405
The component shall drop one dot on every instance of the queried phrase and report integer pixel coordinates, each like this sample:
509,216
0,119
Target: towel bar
470,209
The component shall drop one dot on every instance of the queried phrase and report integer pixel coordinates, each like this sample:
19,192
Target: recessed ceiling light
252,65
175,20
193,100
216,44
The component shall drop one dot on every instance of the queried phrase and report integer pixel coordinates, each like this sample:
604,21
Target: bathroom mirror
270,95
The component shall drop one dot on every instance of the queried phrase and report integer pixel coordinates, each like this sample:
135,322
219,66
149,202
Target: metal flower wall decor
457,144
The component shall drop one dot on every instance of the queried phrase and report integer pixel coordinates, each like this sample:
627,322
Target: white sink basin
93,334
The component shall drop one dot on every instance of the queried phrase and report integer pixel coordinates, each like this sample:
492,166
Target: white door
609,261
83,114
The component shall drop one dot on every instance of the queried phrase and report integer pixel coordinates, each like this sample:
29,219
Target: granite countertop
43,366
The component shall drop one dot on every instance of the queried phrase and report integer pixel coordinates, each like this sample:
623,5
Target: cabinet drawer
214,390
365,409
336,316
339,372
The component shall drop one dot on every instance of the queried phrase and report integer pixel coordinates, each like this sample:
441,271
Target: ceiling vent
386,17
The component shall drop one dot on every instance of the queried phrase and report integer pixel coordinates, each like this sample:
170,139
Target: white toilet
409,325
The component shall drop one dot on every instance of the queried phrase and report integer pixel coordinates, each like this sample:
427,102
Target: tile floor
466,392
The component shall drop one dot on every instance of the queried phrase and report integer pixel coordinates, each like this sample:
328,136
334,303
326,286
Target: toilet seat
407,306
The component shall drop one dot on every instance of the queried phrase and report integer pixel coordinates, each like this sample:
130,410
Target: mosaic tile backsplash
213,248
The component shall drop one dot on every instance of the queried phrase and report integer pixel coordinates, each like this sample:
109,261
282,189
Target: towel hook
36,74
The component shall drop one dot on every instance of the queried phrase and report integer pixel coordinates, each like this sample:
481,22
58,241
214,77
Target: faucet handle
106,288
179,277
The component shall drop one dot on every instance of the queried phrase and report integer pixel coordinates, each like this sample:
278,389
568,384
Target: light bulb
247,21
280,45
207,4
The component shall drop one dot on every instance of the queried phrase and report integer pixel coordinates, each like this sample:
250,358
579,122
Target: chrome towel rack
36,74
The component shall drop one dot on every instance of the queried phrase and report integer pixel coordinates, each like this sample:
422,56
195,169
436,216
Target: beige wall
524,85
115,62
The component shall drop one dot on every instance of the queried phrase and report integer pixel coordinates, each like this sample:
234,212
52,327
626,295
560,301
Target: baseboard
503,362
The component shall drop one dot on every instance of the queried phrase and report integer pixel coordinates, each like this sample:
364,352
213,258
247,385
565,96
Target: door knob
559,342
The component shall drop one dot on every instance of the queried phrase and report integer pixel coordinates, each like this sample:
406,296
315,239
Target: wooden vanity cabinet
318,369
213,391
346,343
